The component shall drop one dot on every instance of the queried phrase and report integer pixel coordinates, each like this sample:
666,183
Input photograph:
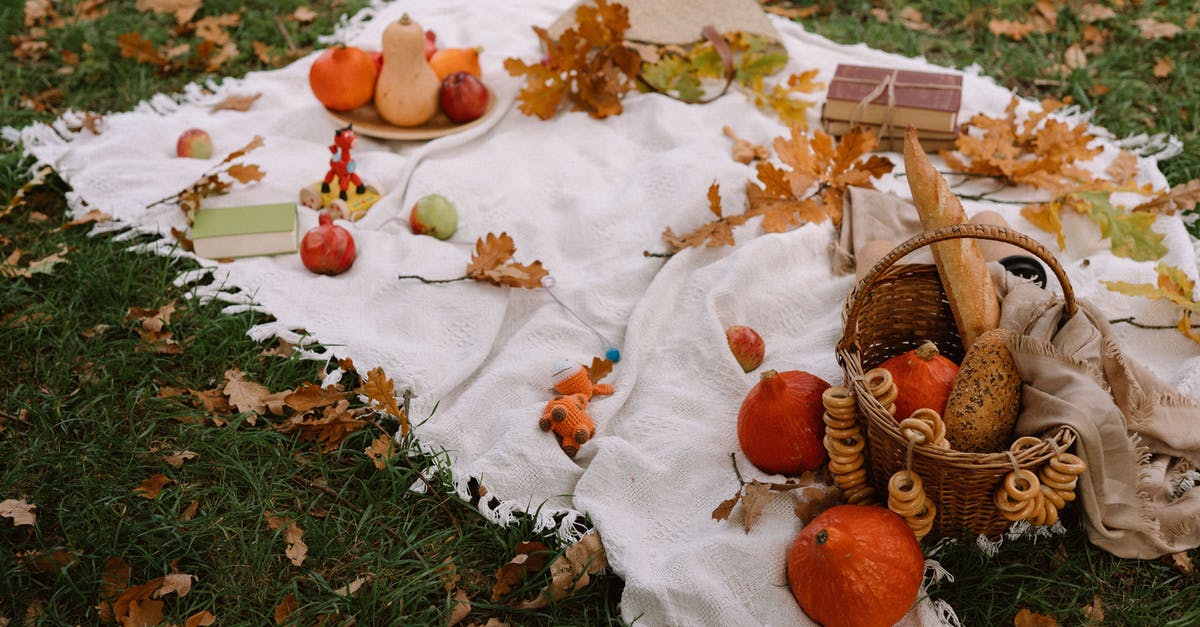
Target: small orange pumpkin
447,61
780,426
924,378
856,566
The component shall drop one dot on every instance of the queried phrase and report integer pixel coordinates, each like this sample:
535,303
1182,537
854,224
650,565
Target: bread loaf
985,398
960,264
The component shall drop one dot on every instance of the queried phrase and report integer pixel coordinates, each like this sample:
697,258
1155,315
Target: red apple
194,143
377,57
464,97
747,346
430,44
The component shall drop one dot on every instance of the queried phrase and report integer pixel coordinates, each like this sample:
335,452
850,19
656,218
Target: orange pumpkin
923,379
343,78
447,61
856,566
779,424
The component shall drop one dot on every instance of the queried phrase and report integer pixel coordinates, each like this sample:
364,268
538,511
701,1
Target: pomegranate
327,248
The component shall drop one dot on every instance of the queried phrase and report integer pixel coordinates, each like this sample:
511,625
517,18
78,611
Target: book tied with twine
889,100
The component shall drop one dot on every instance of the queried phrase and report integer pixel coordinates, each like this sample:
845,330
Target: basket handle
954,231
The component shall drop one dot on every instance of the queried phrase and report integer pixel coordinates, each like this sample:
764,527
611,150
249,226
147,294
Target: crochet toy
566,414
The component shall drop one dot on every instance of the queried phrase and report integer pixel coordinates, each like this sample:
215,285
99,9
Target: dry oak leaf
183,10
138,605
329,430
246,396
492,262
1151,28
49,561
462,607
237,102
311,396
92,216
304,15
189,512
20,511
1093,12
114,579
1163,67
381,392
530,558
381,451
713,234
571,571
755,498
1124,169
296,549
202,618
284,610
212,28
1026,618
150,488
1094,611
1182,197
176,459
135,46
1182,562
45,265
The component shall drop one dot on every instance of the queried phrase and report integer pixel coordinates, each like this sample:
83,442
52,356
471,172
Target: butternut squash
406,93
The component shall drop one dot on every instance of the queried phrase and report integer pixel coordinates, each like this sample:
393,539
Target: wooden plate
367,122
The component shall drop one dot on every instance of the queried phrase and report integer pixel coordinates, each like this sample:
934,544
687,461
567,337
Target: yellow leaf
1047,217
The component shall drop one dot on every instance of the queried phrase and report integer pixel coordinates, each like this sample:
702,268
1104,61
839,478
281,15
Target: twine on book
889,85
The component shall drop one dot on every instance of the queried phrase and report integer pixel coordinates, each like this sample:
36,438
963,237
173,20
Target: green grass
82,423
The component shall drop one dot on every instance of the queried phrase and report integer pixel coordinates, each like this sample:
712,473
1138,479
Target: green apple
434,215
194,143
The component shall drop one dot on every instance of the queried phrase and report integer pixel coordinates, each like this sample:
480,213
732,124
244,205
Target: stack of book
889,100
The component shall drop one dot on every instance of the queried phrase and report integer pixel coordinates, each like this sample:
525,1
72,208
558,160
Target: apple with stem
746,345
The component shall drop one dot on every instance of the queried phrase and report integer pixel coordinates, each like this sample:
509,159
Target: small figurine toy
566,414
349,203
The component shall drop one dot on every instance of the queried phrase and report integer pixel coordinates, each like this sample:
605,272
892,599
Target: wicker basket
895,308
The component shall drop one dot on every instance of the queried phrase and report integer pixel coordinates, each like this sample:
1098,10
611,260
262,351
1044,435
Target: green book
220,232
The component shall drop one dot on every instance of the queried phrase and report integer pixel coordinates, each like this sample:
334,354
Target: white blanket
586,197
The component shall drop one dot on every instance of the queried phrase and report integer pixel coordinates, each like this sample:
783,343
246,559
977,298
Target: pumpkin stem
405,19
927,351
767,374
822,536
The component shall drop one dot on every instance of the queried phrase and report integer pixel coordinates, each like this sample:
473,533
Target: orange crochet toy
567,413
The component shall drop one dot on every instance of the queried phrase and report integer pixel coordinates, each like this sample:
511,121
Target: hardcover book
221,232
931,141
926,100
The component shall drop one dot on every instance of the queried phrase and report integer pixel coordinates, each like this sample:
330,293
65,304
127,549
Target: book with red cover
926,100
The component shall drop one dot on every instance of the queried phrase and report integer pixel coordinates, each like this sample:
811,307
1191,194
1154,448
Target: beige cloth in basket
1138,436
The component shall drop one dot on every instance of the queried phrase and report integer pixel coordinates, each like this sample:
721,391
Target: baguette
960,264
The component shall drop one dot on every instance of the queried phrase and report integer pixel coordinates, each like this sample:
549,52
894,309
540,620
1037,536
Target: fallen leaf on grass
237,102
1151,28
114,579
304,15
176,459
334,424
189,512
296,549
492,262
1026,618
152,487
310,396
462,607
183,10
381,392
571,571
352,587
20,511
202,618
1182,562
381,451
246,396
139,605
530,558
212,27
9,267
1094,612
1163,67
49,561
92,216
284,610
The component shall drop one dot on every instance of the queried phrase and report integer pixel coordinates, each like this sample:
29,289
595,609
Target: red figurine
341,165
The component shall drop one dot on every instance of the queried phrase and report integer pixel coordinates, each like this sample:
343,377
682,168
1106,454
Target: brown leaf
1026,618
255,143
491,262
92,216
296,550
150,488
571,571
1182,562
329,430
1151,28
743,150
246,396
21,512
1124,168
1163,67
41,13
755,498
1094,612
49,561
725,508
462,607
276,402
599,369
212,28
202,618
237,102
189,512
1093,12
381,451
246,173
530,558
912,19
304,15
812,500
1182,197
1075,58
176,459
134,46
381,392
183,10
178,583
285,609
311,396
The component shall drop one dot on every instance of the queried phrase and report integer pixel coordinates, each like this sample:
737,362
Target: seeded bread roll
986,397
960,264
